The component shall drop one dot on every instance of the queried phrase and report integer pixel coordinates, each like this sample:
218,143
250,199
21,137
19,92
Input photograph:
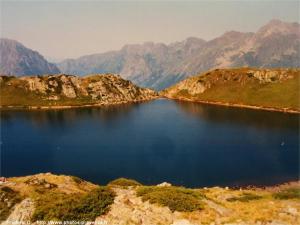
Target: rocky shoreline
67,91
74,106
283,110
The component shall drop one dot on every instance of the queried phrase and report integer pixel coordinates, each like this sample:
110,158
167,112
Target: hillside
48,197
18,60
272,89
68,90
157,65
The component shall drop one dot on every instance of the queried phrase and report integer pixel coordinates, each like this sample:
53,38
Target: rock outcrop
273,89
22,212
70,90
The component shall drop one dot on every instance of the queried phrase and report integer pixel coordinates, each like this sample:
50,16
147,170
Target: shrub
184,93
77,180
124,182
176,198
245,197
40,183
6,206
250,75
66,207
289,193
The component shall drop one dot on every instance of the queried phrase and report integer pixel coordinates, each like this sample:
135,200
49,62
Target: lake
189,144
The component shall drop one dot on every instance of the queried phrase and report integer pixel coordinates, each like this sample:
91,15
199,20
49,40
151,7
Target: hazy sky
63,29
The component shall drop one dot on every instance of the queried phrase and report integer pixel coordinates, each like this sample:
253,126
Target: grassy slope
62,198
17,95
283,94
279,95
13,92
68,198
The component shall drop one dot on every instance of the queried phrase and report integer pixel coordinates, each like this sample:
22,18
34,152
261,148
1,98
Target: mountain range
16,59
157,65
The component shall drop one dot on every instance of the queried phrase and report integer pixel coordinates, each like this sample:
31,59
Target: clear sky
64,29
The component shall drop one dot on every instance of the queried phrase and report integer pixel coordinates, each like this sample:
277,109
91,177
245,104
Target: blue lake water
183,143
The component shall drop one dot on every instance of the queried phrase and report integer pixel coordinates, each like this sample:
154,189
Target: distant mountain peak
235,35
143,48
193,41
277,22
18,60
276,26
9,41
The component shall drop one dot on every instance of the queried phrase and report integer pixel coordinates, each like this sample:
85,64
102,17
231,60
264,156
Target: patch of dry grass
55,205
289,193
236,86
8,199
176,198
124,182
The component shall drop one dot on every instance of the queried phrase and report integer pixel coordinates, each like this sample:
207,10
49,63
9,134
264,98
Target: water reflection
257,118
66,117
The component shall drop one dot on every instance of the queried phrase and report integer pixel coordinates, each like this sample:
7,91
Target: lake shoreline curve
96,105
235,105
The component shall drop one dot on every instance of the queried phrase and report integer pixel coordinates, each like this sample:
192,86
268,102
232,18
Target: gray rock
164,184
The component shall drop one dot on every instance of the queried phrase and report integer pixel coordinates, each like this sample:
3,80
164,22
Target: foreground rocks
21,212
69,90
249,206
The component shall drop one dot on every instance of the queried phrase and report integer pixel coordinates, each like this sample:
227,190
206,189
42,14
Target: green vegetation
8,199
124,182
267,95
290,193
241,87
54,205
17,95
66,90
184,93
67,198
245,197
176,198
77,180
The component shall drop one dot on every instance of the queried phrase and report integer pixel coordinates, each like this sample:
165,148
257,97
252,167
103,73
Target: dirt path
222,211
130,209
22,212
